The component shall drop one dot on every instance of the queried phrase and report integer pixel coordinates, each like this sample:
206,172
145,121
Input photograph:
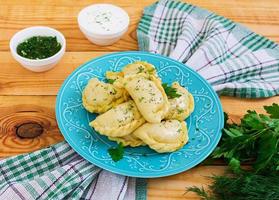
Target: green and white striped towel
57,172
233,59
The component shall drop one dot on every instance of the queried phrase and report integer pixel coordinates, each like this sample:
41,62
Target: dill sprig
246,186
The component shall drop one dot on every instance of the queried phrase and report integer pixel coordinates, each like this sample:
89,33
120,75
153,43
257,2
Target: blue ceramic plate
204,124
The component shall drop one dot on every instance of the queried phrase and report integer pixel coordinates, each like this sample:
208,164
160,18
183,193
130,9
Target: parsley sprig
116,153
170,91
256,138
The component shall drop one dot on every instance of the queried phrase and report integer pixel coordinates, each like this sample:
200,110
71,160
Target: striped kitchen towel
234,60
57,172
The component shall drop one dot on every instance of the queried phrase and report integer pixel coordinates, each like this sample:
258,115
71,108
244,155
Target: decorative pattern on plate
204,124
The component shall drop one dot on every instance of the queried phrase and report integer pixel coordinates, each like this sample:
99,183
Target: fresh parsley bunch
254,140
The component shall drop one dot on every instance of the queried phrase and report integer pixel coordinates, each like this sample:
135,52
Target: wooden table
27,97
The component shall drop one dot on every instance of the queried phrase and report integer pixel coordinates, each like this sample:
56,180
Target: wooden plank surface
27,97
15,80
261,16
174,187
17,110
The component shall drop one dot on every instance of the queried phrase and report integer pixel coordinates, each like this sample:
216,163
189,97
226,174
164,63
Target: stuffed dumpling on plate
98,97
149,96
117,80
119,121
128,140
167,136
139,67
180,107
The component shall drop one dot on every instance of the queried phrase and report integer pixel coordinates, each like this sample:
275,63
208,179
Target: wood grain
259,15
26,109
16,80
174,187
17,110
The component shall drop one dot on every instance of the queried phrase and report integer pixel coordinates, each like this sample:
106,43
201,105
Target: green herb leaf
116,153
140,69
252,120
233,132
267,148
255,138
170,91
273,110
38,47
179,111
235,165
110,81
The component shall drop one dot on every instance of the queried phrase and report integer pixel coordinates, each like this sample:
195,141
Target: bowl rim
94,34
56,32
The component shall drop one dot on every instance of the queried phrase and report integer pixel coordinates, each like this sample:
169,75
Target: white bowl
39,65
109,31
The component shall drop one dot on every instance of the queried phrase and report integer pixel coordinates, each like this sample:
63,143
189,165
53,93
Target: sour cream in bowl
103,24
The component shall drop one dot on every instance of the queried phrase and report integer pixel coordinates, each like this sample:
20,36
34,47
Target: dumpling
118,121
114,75
116,79
167,136
149,96
99,97
180,107
128,140
139,67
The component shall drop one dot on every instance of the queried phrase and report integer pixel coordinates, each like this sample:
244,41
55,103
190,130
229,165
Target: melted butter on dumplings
149,96
128,140
167,136
180,107
118,121
99,96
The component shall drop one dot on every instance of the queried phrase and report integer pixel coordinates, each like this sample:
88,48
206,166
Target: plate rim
97,163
